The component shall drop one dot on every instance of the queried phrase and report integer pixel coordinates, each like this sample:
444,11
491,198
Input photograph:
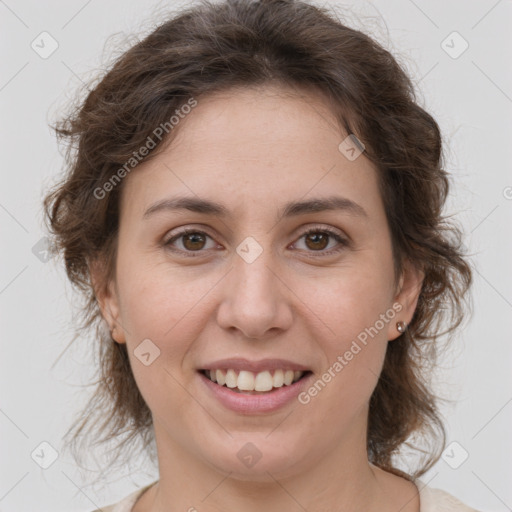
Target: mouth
254,387
254,383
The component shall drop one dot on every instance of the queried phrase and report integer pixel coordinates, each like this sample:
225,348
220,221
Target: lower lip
254,404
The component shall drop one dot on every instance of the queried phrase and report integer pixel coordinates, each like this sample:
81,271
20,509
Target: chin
256,459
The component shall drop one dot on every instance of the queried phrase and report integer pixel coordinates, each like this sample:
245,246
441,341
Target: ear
406,298
107,297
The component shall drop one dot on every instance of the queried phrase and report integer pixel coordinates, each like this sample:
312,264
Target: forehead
266,144
260,117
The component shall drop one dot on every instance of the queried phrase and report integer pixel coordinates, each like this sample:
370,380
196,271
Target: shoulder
126,504
437,500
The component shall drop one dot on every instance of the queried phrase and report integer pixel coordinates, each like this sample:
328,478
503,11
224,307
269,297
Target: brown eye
191,240
317,240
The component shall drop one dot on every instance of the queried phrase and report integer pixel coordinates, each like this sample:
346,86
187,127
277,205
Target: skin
254,150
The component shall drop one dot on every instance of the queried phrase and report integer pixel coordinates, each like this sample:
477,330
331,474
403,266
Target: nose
255,298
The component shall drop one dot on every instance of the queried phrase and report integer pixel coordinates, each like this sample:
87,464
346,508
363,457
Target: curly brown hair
211,47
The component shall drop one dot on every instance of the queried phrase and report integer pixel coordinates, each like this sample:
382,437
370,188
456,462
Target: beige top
431,500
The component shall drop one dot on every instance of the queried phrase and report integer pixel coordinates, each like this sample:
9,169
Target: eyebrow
290,209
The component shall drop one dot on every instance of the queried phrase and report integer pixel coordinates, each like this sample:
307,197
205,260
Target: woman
254,209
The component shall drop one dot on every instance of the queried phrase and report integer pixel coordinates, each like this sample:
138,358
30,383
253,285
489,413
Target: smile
247,381
257,391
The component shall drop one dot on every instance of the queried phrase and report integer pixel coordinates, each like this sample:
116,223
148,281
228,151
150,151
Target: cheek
156,299
354,300
356,352
357,308
155,306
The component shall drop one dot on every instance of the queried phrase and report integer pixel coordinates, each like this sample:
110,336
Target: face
248,291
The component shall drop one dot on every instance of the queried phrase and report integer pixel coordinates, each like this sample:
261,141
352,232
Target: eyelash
342,241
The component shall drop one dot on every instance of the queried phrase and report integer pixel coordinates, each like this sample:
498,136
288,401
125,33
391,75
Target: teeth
263,382
231,379
249,381
220,377
245,381
278,378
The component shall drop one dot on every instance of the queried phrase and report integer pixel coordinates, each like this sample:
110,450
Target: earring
400,326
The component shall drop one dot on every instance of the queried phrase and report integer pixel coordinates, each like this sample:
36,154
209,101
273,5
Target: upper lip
254,366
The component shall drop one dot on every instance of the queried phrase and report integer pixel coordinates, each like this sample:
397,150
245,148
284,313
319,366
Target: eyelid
322,227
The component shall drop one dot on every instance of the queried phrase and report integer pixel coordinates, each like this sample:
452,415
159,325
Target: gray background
471,98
